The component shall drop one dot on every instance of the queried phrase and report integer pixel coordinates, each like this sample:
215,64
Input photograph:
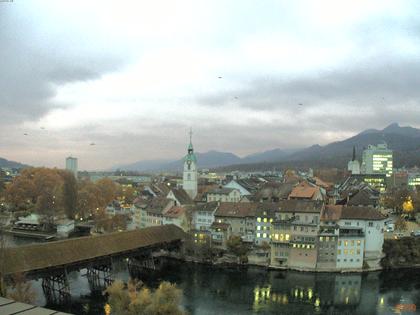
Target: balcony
351,233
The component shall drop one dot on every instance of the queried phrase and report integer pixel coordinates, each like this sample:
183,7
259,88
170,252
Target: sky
132,77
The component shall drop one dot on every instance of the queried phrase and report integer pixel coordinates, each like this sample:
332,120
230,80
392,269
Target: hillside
11,164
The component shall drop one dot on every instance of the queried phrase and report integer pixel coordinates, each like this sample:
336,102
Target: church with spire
354,166
190,175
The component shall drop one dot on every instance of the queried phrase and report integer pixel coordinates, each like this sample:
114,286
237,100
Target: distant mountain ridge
405,141
11,164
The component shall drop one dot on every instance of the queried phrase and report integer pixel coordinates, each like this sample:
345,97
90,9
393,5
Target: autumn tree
137,299
108,189
90,200
22,290
3,246
69,194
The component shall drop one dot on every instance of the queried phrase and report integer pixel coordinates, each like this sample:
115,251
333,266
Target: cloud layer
133,77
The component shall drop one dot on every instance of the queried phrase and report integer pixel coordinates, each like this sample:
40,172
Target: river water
253,290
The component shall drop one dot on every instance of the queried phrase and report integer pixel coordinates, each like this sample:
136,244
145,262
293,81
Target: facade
190,175
240,217
224,195
265,214
203,215
377,160
294,234
306,191
330,238
414,179
71,165
176,215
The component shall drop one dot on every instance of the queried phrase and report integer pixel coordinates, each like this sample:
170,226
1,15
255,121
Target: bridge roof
54,254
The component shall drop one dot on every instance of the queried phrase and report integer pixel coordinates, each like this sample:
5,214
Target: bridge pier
56,288
140,266
99,277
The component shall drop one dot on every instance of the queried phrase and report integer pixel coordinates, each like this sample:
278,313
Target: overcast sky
134,76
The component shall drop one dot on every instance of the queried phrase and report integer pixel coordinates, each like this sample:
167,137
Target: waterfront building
294,234
220,234
265,215
241,218
150,213
190,176
71,165
377,160
224,195
203,215
354,166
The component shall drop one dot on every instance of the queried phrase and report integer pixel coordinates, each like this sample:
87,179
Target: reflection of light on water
381,301
310,293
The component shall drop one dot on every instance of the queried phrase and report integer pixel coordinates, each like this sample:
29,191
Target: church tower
190,178
354,166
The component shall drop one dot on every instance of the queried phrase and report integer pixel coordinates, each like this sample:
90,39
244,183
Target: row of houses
302,233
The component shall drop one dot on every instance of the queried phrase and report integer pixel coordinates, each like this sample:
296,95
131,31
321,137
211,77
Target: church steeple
190,178
354,153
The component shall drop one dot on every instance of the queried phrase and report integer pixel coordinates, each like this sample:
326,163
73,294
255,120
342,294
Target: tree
69,194
137,299
90,200
3,246
22,290
108,189
236,246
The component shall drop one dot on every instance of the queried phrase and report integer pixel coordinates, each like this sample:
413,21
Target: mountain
11,164
405,141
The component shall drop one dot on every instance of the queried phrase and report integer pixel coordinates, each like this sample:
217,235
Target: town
287,220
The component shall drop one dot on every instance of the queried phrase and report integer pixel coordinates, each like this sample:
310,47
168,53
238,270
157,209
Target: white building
203,215
361,236
71,165
377,160
224,195
190,176
235,185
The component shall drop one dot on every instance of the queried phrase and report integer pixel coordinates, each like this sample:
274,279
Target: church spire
190,146
354,153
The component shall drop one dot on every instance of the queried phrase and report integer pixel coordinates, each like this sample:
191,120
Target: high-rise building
377,160
71,165
190,179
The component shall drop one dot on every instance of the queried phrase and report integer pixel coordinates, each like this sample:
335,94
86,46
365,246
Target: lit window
287,237
264,235
271,220
265,219
258,219
281,237
346,251
258,227
321,239
276,236
327,239
346,243
358,243
258,234
339,252
351,251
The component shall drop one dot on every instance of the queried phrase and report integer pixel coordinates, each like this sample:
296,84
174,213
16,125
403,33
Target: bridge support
140,266
56,288
99,277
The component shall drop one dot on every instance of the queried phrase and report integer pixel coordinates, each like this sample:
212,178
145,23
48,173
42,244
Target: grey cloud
33,65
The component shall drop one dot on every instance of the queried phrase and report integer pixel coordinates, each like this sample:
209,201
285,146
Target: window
370,224
351,251
327,238
339,243
258,219
264,235
258,227
287,237
346,243
352,243
265,220
358,251
346,251
189,175
258,235
321,239
358,243
339,252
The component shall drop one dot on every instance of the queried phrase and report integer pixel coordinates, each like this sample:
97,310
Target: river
253,290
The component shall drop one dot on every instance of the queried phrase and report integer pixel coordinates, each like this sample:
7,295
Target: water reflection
212,290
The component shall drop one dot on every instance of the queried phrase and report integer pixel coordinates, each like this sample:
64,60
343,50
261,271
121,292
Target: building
179,196
203,215
294,234
190,175
265,214
71,165
354,166
306,191
235,185
377,160
240,217
176,215
224,195
414,179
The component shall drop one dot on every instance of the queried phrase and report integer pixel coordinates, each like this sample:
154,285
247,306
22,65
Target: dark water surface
253,290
